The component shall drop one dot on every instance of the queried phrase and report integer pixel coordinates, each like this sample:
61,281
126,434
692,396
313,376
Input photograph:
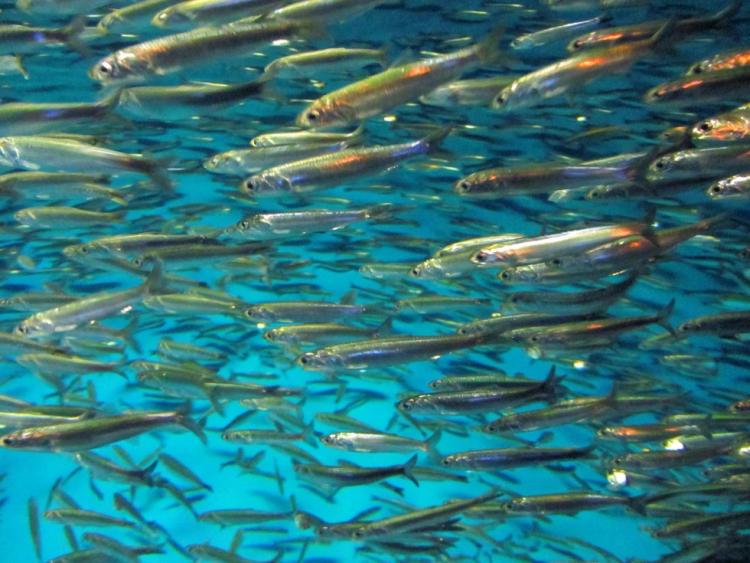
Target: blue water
703,275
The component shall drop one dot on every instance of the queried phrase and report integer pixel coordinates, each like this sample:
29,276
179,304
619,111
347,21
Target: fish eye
697,69
244,224
8,441
84,249
660,164
577,44
357,534
406,405
445,461
534,338
500,99
463,186
505,275
415,272
313,115
705,127
105,67
556,262
304,360
716,189
250,184
480,257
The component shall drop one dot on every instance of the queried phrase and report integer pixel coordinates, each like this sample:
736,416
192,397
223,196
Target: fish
384,351
95,432
379,442
131,16
481,399
337,476
571,503
416,519
334,169
20,39
309,63
397,85
736,186
700,88
173,53
723,61
304,137
629,33
213,12
505,458
60,155
82,311
544,178
725,128
577,70
549,35
61,217
240,162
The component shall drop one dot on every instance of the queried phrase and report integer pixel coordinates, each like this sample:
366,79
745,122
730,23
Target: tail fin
431,142
386,327
724,15
638,504
407,468
663,35
488,50
193,426
662,316
431,445
155,281
71,33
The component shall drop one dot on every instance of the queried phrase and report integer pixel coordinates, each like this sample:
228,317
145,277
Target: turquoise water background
700,275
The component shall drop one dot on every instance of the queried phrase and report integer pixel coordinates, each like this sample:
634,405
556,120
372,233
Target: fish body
395,86
92,433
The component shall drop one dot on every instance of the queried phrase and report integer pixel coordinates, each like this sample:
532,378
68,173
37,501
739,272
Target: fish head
516,95
25,216
259,313
33,326
268,182
9,153
277,335
29,438
662,165
582,42
529,273
325,112
720,129
119,66
429,269
699,68
455,460
169,17
335,440
80,252
663,93
723,188
225,163
319,359
690,326
411,403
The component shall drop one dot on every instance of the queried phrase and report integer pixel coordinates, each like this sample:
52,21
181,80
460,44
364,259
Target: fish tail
488,50
193,426
432,141
407,468
308,434
158,174
664,35
431,445
725,15
661,318
386,327
71,34
638,504
155,281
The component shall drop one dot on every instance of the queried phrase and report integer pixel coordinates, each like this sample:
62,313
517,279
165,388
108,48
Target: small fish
72,315
19,39
385,351
63,155
570,503
75,516
36,538
338,476
172,53
737,186
304,137
549,35
505,458
93,433
701,88
730,127
61,217
211,12
309,63
239,162
240,517
723,61
395,86
329,170
379,442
